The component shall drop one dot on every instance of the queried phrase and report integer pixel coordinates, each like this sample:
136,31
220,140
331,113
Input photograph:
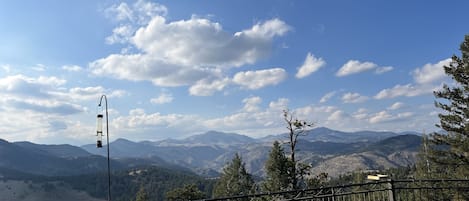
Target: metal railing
389,190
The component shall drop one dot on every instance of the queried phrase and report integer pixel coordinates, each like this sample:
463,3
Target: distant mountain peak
216,137
2,141
329,135
122,140
322,128
213,132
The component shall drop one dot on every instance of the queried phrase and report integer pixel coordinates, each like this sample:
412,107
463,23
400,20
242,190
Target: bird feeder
99,131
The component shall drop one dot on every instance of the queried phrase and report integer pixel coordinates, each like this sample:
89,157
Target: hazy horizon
203,133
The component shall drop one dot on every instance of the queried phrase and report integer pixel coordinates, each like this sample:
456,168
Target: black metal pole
108,160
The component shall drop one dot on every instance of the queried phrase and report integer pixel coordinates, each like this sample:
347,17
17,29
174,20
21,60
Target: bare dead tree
296,128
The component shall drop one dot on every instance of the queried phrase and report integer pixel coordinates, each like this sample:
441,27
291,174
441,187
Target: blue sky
171,69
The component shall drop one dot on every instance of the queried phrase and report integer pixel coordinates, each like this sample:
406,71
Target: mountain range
327,150
323,148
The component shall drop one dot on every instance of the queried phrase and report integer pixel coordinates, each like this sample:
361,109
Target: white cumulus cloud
196,52
430,72
45,108
208,88
202,42
20,92
24,86
354,66
260,78
310,65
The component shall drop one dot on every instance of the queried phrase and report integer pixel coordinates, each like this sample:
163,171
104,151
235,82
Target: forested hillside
157,168
207,153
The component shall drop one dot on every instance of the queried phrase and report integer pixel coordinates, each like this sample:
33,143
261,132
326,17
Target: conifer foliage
277,167
451,149
235,180
186,193
141,195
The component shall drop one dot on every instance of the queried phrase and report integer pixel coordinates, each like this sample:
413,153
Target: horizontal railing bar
420,184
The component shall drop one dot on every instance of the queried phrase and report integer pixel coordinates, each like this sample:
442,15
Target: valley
171,163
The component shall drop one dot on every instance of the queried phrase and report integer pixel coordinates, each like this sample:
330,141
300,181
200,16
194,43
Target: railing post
391,196
333,194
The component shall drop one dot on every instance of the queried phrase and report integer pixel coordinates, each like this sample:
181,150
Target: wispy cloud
46,106
407,90
139,12
327,96
86,93
337,116
251,104
72,68
426,81
361,114
353,98
396,105
39,67
383,117
6,68
162,98
29,87
381,70
251,119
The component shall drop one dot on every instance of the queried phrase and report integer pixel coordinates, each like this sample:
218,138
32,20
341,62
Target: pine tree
451,149
186,193
318,180
423,168
141,195
277,168
235,180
